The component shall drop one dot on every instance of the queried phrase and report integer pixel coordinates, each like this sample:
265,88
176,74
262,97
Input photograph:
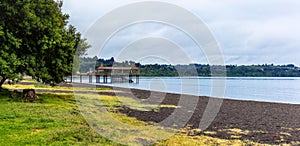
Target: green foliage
203,70
263,71
81,50
82,47
158,70
87,63
35,40
8,59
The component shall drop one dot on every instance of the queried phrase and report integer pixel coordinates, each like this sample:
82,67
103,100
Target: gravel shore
262,122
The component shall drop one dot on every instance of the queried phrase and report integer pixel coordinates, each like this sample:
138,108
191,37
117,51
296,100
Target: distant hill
264,70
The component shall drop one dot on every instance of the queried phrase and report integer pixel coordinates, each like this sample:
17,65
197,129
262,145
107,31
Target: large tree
35,40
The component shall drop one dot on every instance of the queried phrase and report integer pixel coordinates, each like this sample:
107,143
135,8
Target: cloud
255,31
141,31
249,32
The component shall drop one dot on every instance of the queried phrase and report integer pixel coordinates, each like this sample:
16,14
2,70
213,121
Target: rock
29,95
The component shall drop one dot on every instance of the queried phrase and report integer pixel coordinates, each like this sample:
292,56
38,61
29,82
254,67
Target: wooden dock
111,75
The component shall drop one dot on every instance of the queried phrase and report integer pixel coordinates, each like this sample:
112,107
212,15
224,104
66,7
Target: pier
109,75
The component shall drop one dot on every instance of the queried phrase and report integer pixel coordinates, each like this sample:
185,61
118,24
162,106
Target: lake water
268,89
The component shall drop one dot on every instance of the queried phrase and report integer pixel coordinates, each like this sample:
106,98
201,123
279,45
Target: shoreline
265,89
263,122
87,85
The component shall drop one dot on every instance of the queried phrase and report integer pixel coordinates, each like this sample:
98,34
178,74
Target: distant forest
264,70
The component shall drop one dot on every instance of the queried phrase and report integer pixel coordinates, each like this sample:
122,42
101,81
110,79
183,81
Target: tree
82,47
81,50
35,40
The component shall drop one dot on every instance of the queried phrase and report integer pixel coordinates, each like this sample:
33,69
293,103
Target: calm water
282,90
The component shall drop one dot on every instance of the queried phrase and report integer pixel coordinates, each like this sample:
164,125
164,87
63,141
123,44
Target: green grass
19,86
117,101
57,120
101,111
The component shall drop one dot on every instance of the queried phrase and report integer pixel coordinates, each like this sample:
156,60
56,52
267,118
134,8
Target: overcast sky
247,32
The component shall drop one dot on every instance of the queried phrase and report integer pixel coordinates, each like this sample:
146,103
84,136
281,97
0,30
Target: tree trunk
2,82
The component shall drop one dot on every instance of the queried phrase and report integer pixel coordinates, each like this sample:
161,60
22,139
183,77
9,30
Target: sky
246,32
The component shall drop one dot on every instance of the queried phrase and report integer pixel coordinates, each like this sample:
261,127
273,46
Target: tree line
264,70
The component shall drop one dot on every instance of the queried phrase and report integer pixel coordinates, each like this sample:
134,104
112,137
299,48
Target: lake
268,89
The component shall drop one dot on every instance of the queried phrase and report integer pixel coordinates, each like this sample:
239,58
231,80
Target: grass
117,101
58,120
55,121
19,86
101,112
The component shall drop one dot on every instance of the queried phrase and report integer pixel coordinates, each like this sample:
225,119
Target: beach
262,122
259,122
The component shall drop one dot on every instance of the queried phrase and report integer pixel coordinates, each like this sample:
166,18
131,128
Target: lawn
47,87
57,120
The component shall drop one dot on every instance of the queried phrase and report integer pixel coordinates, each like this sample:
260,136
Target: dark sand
268,123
